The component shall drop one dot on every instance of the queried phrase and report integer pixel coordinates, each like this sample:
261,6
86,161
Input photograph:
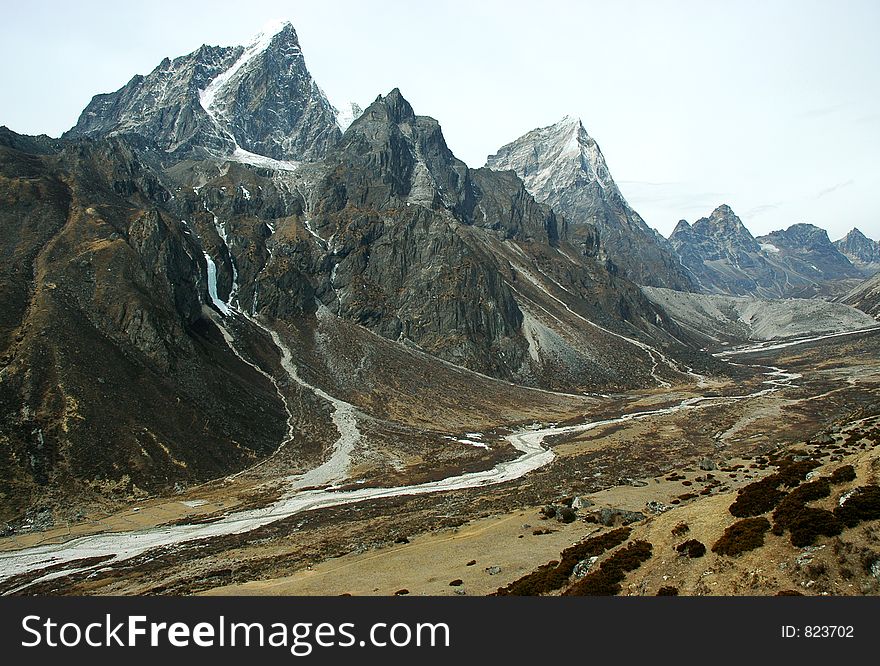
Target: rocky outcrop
562,165
113,383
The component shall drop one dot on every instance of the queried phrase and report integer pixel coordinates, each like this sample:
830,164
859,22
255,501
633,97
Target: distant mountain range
723,257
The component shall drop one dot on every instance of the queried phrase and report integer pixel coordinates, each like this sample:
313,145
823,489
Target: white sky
772,107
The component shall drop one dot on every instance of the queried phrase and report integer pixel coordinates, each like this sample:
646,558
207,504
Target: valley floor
481,525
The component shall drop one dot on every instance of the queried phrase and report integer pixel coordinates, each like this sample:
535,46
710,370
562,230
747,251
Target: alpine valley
253,343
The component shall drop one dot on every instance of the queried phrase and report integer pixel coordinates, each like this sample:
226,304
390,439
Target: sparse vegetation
667,591
811,523
744,535
757,498
794,503
548,512
761,496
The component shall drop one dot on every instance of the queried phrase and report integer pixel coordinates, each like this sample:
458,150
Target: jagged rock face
863,252
260,98
563,166
720,253
394,233
724,258
382,247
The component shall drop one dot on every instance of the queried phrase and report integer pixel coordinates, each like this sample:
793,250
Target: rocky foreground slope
866,296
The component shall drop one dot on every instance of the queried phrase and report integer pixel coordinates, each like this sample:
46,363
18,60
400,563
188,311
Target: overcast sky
772,107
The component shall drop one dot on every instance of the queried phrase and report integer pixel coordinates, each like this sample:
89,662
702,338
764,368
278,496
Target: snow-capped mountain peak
208,96
562,149
562,165
258,102
347,113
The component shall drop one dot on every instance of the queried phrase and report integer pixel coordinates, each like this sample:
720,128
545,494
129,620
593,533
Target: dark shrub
792,472
862,505
566,515
471,563
692,548
606,581
789,593
843,475
742,536
680,529
793,504
761,496
548,511
667,591
401,593
757,498
554,575
810,523
456,583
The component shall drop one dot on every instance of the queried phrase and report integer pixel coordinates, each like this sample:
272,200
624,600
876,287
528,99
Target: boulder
708,465
583,567
609,517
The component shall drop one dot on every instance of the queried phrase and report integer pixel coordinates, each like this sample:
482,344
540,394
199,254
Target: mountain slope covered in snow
562,165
